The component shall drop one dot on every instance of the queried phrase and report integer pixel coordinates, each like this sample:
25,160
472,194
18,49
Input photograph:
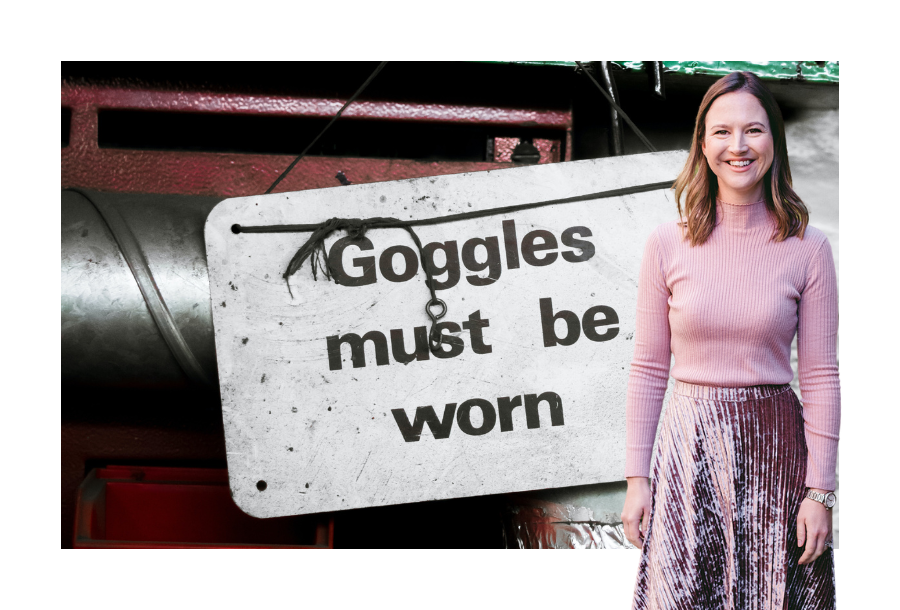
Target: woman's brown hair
699,185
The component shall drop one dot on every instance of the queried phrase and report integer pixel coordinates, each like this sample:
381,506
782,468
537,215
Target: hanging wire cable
618,109
321,133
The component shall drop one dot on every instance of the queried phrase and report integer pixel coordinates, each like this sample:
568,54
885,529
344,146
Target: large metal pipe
135,290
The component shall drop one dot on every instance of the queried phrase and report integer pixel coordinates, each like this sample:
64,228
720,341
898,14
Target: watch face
830,499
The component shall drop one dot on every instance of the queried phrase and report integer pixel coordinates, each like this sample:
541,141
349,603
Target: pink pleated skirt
727,484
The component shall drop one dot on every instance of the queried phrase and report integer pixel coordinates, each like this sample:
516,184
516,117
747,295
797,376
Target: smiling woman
739,146
736,513
738,155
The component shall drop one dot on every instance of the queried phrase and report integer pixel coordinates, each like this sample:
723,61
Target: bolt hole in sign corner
332,400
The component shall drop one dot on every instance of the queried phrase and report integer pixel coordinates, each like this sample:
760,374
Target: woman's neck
732,197
720,200
742,216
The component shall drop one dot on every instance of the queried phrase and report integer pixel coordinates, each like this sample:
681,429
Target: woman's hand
636,512
813,528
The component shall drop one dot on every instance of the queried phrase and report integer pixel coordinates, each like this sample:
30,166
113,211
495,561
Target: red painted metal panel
185,439
191,101
180,507
87,165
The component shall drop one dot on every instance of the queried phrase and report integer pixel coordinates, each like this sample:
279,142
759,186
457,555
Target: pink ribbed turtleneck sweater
728,310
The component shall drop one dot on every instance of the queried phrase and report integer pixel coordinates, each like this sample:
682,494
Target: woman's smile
740,165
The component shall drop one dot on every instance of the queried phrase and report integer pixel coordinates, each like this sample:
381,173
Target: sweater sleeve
818,369
649,372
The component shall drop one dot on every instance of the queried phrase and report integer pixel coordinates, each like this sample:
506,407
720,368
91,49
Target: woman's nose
738,144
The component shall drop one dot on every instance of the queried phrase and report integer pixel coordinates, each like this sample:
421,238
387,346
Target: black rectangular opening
209,132
66,125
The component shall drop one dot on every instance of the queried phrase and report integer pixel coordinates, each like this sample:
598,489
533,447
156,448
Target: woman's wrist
826,498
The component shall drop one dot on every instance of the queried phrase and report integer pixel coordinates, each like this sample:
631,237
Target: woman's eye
721,131
755,130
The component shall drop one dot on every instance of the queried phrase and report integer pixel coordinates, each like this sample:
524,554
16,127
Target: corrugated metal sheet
808,71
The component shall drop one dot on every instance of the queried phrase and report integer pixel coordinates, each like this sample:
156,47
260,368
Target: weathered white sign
331,398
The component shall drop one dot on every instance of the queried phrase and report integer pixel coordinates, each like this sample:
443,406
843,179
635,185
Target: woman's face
738,146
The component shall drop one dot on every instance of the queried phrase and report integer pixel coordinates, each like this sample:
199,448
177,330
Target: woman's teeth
739,163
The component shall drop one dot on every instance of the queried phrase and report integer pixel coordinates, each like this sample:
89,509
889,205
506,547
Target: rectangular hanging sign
331,397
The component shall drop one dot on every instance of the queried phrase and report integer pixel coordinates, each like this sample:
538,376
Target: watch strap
822,498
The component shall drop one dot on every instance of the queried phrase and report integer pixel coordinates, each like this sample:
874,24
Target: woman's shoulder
668,234
811,252
814,235
664,240
813,240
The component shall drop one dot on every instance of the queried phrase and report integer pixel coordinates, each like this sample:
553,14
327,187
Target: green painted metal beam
805,71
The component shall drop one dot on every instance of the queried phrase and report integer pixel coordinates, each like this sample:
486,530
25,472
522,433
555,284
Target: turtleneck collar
741,216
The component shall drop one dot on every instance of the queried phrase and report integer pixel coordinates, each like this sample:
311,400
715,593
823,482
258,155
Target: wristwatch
828,499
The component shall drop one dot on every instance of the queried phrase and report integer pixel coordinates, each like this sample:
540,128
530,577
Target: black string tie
314,250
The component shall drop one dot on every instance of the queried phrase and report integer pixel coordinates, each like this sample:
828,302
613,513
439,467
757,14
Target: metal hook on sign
435,317
434,337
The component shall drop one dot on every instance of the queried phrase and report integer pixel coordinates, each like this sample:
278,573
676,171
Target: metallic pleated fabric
727,485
